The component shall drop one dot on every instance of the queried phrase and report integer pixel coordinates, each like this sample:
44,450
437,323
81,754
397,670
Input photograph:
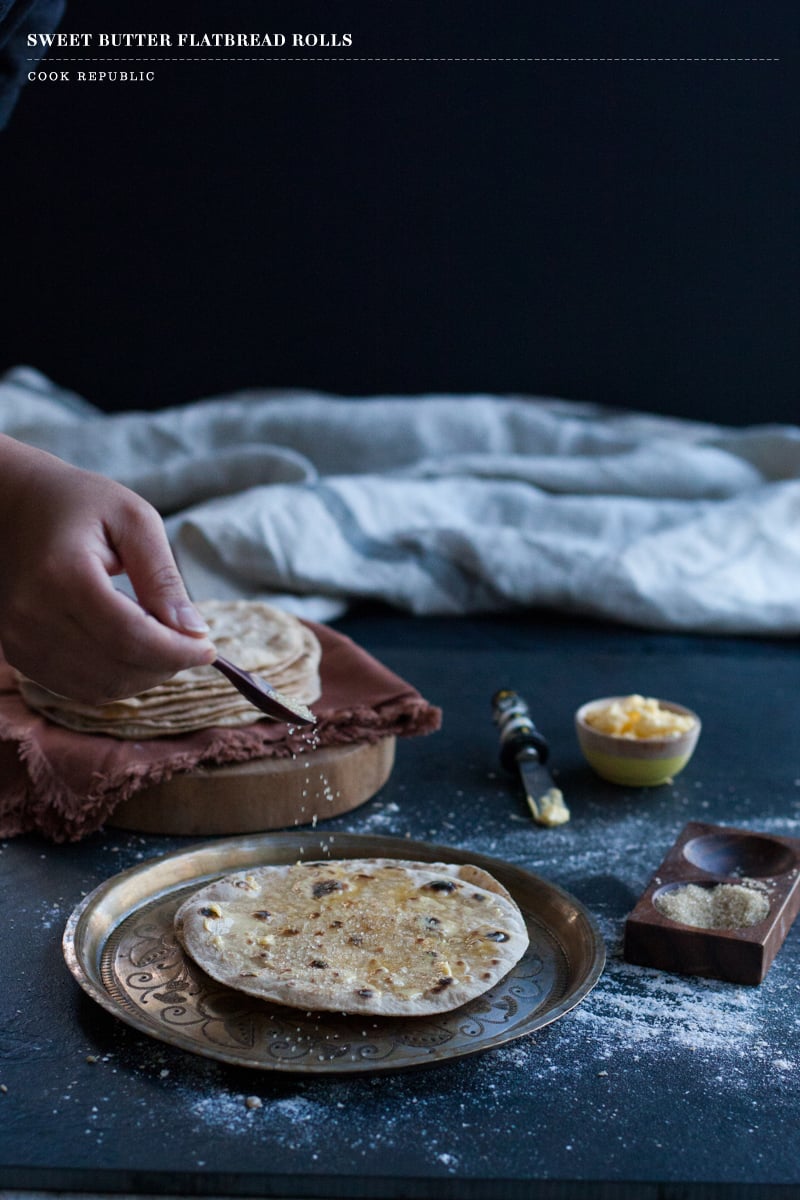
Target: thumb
146,556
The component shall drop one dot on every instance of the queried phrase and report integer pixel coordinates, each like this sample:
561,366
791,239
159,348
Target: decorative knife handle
518,734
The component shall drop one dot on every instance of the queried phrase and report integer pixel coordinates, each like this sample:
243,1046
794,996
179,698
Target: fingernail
189,619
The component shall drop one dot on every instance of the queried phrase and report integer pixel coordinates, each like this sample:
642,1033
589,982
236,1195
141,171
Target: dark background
620,232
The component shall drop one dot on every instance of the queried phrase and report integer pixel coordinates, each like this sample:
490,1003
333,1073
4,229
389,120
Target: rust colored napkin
64,785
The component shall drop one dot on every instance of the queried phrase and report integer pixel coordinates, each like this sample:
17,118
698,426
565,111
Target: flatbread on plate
371,935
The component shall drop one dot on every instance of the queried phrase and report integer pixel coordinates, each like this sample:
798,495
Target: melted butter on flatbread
363,935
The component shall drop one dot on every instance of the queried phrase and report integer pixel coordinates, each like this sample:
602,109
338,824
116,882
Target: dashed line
353,59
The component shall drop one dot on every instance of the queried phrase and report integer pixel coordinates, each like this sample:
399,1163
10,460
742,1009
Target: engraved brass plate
119,945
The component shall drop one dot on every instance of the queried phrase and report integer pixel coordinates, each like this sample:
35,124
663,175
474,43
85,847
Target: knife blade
525,751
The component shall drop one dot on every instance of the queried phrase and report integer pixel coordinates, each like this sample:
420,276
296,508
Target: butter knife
525,751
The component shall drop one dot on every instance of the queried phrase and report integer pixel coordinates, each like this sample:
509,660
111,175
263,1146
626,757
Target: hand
64,533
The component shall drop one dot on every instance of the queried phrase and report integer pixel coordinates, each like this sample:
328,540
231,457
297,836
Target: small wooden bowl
635,762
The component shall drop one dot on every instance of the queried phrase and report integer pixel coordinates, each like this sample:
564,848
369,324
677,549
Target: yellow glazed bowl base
636,772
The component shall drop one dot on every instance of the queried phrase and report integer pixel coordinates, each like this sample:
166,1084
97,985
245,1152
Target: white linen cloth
453,504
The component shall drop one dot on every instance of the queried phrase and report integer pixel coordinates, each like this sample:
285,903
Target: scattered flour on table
379,819
51,916
636,1009
302,1124
635,1015
294,1121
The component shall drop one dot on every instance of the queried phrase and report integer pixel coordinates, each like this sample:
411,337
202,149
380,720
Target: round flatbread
261,639
380,936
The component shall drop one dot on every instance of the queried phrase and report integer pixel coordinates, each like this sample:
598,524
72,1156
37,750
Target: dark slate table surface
656,1085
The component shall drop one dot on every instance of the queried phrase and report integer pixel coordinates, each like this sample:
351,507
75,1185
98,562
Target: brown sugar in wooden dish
711,857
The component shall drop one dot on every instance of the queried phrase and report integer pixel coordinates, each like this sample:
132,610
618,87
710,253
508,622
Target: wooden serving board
264,794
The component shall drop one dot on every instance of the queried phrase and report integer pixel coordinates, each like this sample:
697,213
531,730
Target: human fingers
138,539
71,630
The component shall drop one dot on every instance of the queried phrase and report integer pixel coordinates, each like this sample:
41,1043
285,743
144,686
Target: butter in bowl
636,741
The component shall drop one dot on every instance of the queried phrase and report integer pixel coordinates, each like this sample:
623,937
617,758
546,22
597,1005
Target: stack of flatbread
262,639
376,935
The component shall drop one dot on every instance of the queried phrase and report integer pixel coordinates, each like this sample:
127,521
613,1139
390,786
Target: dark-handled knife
524,749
